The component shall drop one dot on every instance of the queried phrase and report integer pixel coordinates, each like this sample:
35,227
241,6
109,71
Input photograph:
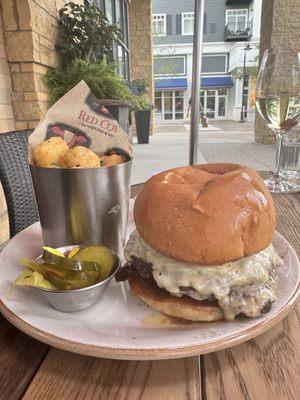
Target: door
221,101
168,104
210,104
178,104
214,103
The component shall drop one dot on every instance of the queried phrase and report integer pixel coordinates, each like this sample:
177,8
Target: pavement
227,141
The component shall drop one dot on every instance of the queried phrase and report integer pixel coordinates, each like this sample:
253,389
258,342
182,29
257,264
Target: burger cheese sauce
245,286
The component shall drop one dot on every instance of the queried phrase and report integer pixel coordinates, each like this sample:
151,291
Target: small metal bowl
78,299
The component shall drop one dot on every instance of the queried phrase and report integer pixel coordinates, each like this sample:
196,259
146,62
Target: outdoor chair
16,180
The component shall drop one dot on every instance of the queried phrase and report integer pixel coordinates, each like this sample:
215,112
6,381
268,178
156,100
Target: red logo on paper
71,135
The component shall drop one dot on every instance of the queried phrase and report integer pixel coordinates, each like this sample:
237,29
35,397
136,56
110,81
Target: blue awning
206,82
171,84
216,82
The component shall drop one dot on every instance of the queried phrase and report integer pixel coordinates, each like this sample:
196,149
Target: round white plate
116,328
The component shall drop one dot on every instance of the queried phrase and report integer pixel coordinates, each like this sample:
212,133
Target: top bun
206,214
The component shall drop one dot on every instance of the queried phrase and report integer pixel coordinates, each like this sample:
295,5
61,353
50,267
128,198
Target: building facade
230,26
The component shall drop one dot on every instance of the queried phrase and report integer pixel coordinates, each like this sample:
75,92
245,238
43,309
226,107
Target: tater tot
112,159
49,152
79,157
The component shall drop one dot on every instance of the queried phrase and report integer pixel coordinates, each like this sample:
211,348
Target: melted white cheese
241,286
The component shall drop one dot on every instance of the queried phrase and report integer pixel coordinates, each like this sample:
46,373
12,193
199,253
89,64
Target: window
109,10
169,104
246,95
236,20
159,24
187,23
116,12
214,64
172,65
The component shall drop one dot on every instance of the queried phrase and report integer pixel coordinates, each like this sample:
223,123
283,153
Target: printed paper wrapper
81,119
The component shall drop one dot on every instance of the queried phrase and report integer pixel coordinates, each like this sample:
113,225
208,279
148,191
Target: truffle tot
49,152
79,157
112,159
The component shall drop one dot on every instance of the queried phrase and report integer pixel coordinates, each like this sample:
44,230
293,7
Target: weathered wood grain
267,367
67,376
20,357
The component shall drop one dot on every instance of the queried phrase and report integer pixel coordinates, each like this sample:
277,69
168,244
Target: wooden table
265,368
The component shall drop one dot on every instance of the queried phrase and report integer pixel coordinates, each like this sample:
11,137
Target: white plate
115,327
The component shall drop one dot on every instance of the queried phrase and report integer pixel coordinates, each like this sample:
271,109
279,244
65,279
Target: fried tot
49,152
79,157
112,159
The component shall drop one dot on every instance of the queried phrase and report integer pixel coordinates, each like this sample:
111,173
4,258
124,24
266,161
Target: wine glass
278,102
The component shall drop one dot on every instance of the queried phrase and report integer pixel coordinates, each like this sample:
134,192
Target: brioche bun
181,307
206,214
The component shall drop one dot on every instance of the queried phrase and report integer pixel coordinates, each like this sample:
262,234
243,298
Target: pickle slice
73,252
70,264
28,277
46,269
53,251
73,280
99,254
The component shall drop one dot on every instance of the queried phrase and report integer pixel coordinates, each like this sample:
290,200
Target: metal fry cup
83,205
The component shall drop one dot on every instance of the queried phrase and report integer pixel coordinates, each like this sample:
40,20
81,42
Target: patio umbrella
196,80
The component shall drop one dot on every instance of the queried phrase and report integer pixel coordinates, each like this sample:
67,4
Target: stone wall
140,36
7,122
280,29
30,28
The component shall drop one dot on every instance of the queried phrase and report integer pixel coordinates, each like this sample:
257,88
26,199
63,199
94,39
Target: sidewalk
169,148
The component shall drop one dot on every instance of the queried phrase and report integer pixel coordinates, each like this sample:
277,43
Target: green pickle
80,268
69,264
73,280
99,254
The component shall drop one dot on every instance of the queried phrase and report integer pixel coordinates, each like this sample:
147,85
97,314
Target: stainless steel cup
78,299
83,205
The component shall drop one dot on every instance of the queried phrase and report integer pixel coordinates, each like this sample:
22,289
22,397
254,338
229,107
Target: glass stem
279,142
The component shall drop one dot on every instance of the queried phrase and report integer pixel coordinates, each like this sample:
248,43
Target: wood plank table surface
267,367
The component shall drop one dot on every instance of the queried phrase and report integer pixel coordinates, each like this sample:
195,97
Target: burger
202,247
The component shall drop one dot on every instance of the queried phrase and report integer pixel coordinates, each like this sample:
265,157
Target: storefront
169,99
214,96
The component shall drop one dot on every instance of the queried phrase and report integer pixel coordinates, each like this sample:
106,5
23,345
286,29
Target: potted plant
142,113
103,80
85,47
142,110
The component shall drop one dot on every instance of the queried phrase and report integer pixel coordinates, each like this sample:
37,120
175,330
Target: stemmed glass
278,102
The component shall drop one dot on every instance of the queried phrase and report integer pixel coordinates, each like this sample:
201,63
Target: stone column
140,40
280,29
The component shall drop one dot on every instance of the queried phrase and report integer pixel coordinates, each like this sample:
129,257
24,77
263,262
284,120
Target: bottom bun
181,307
